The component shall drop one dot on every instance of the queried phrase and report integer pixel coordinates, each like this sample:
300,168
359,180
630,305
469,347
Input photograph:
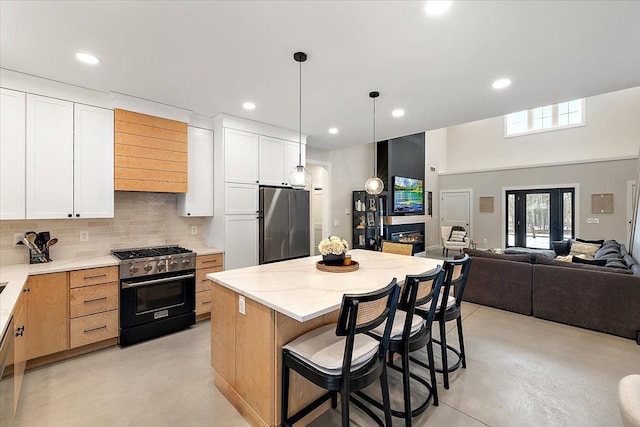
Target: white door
49,158
12,152
198,201
93,162
241,241
455,208
240,156
271,161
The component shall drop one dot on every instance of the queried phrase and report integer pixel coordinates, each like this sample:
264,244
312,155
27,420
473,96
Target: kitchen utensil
51,242
31,237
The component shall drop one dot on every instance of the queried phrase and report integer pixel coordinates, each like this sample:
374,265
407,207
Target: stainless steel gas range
157,291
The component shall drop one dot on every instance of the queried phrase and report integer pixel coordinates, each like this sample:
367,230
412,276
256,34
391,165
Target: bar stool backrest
360,313
456,274
419,290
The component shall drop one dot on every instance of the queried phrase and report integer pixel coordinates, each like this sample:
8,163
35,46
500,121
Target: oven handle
151,282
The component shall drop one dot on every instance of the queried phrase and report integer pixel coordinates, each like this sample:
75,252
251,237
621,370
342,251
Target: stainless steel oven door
148,299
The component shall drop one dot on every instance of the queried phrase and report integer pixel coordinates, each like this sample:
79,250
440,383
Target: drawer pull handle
95,277
95,329
20,331
94,300
206,302
210,261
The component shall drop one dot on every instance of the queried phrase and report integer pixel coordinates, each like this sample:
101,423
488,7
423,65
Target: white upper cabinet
69,160
49,158
240,156
198,201
272,161
12,154
93,162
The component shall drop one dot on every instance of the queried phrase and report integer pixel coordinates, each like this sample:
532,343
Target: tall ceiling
211,56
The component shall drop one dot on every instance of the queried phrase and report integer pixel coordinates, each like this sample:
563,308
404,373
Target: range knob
133,269
185,262
173,264
148,267
160,267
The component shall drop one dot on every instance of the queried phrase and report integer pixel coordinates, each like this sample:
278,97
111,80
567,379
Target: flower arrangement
333,245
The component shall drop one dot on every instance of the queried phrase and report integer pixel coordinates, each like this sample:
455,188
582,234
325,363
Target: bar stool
343,358
456,273
411,332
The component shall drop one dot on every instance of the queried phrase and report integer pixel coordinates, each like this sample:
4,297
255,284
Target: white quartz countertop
299,290
206,250
16,276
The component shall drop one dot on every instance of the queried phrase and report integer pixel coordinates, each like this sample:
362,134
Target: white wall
350,168
612,130
436,157
593,178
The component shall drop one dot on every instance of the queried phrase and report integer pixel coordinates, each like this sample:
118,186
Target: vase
332,259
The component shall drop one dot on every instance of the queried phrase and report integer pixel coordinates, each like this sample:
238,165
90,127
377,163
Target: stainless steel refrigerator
284,224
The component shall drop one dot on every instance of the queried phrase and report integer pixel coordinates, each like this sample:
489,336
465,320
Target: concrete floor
521,371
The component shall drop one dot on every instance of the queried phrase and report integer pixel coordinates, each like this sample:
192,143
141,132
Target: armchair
447,244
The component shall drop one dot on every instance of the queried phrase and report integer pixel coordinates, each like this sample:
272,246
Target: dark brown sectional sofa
593,297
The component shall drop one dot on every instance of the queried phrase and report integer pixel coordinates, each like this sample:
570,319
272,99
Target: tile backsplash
140,219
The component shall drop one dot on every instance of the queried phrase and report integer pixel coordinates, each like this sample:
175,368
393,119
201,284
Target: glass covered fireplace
408,233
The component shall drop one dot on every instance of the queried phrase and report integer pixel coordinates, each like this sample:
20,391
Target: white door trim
326,200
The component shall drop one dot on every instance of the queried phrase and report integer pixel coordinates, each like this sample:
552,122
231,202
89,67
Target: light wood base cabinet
205,264
93,305
47,314
246,353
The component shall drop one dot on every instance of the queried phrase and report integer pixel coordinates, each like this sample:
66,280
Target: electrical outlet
194,229
336,223
84,236
241,305
17,237
347,211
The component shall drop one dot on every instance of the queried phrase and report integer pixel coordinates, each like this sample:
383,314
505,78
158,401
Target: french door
535,218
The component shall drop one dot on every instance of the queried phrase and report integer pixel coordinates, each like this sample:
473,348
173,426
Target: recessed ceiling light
87,58
437,7
398,112
333,131
501,83
249,106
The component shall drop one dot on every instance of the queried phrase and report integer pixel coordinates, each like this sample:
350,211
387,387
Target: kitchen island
256,310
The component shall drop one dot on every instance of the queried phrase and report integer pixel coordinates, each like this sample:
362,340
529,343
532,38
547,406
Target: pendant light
300,177
374,185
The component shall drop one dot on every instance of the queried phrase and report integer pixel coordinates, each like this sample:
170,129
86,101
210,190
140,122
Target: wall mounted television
408,195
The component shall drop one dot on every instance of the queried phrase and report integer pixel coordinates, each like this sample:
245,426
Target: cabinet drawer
93,276
206,261
93,299
202,283
96,327
203,302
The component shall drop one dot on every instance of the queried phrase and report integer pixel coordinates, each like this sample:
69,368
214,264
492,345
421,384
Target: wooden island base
246,353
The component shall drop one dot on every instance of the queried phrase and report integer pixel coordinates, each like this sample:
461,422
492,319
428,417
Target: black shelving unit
368,220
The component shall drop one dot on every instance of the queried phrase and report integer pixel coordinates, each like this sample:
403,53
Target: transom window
541,119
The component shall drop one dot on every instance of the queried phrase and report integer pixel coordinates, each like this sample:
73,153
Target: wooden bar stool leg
432,372
406,390
386,401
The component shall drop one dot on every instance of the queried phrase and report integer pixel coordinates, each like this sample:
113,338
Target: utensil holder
39,258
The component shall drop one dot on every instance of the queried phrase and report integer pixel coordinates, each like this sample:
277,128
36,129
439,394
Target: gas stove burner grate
135,253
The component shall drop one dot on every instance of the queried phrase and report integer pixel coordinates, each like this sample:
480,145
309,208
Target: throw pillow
563,258
579,260
587,249
594,242
457,236
561,247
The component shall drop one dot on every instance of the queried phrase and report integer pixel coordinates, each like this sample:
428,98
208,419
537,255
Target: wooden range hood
150,153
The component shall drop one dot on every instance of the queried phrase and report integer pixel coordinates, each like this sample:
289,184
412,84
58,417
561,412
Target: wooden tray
320,265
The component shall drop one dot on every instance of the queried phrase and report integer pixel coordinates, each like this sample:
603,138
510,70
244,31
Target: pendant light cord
375,154
300,119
